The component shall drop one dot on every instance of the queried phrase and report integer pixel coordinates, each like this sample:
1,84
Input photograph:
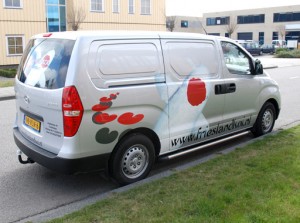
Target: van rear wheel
265,120
133,159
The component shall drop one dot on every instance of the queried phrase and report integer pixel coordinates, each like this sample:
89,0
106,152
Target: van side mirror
258,67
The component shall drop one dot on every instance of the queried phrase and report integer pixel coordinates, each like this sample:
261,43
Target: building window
245,36
13,3
249,19
184,24
286,17
14,45
293,35
145,7
275,36
217,21
227,35
97,5
131,6
214,34
116,6
261,38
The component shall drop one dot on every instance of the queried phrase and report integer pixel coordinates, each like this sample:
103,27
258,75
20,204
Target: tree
281,31
75,17
231,26
171,22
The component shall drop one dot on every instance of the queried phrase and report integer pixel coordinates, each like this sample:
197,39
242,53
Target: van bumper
58,164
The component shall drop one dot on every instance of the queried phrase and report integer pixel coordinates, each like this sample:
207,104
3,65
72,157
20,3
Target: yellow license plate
36,125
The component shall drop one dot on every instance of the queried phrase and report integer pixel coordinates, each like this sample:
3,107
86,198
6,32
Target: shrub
10,73
279,50
288,54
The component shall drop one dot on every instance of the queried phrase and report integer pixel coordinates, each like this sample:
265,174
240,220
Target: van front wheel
132,159
265,120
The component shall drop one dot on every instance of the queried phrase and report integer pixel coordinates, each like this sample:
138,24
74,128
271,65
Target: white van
279,43
118,101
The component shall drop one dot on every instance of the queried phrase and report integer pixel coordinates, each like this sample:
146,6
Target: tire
132,159
265,120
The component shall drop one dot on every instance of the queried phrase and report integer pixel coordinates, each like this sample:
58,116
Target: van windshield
45,63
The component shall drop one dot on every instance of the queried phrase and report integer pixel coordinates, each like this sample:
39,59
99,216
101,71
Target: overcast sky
197,7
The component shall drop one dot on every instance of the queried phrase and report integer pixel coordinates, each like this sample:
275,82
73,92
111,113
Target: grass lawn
257,183
9,73
7,83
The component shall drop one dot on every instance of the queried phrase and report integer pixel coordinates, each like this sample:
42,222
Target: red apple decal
130,119
196,91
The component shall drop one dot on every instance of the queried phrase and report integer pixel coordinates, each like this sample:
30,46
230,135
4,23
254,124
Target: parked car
253,48
268,48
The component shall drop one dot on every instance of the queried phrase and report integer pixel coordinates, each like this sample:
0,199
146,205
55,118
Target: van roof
73,35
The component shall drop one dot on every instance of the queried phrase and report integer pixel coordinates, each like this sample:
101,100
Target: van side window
236,60
193,58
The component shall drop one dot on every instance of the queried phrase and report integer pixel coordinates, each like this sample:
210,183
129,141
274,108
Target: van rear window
45,63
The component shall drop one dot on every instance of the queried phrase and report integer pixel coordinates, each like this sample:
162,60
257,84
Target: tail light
72,111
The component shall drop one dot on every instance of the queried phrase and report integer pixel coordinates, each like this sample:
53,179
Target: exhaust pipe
19,154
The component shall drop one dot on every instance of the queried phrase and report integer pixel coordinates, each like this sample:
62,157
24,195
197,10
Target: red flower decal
101,107
105,99
130,119
102,118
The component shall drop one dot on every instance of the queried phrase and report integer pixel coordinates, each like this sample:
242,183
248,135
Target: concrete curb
270,67
5,98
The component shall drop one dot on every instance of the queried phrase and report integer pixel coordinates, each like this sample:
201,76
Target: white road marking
291,78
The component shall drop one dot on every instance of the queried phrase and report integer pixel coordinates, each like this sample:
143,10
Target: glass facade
56,15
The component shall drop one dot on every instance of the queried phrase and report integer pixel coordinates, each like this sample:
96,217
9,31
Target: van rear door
39,88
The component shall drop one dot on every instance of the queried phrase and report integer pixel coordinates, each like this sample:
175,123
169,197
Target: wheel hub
267,120
134,161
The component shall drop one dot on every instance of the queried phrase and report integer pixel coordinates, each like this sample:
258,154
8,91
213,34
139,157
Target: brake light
47,35
72,111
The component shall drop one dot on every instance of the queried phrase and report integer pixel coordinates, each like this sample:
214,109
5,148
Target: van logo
26,99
